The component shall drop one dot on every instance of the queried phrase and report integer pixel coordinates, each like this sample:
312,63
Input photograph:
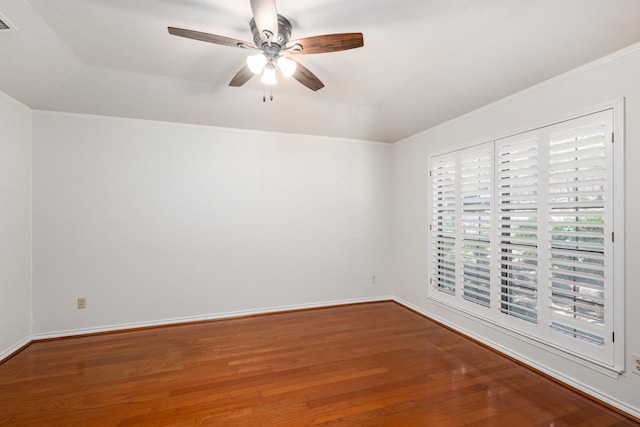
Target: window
522,235
444,224
517,223
476,179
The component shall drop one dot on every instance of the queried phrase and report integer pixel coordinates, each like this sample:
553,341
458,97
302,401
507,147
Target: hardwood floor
375,364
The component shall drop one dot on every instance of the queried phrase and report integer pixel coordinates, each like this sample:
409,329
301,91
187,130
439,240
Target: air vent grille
5,25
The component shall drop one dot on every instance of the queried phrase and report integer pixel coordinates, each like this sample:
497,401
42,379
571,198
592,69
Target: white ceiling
424,61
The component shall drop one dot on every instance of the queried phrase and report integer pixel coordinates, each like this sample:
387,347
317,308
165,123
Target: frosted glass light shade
256,63
269,76
287,66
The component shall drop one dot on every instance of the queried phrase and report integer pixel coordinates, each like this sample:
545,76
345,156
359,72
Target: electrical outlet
82,303
374,280
636,364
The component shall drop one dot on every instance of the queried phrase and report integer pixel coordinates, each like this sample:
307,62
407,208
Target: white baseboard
5,354
522,358
201,318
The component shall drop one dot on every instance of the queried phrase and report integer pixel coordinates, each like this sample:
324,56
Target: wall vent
6,25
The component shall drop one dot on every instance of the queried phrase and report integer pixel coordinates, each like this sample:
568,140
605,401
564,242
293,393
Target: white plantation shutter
518,205
476,178
522,235
580,205
443,224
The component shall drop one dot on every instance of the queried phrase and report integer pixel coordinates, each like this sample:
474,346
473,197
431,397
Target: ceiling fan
272,47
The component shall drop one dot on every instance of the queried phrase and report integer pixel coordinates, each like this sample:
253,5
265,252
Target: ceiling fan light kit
269,75
272,47
287,66
256,63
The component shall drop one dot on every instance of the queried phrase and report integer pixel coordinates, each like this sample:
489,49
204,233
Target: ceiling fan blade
328,43
206,37
265,15
307,78
243,76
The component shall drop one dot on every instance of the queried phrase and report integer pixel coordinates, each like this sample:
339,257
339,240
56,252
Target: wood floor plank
375,364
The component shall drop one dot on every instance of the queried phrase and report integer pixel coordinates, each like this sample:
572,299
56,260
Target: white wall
15,224
609,79
154,221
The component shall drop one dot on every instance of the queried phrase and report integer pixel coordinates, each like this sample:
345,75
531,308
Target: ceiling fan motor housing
281,39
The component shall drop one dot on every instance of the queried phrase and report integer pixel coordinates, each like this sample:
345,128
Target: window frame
614,363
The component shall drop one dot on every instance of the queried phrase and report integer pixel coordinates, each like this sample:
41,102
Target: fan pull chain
264,95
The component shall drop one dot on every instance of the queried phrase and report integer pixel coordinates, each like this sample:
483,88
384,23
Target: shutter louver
577,193
517,201
476,170
443,227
